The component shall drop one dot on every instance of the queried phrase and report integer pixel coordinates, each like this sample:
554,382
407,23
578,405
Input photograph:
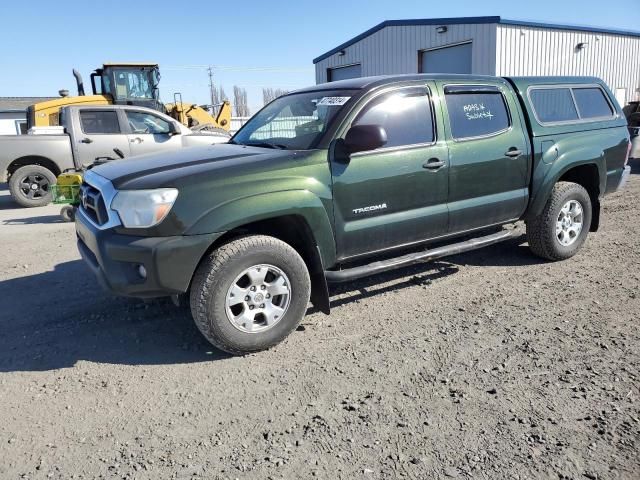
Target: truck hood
160,169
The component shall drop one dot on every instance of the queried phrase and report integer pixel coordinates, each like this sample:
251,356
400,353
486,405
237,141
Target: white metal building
489,46
13,114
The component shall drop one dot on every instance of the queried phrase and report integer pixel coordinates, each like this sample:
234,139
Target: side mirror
174,129
362,138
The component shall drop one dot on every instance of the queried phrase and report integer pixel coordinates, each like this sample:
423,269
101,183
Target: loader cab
128,84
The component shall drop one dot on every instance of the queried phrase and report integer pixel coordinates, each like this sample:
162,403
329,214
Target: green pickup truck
348,179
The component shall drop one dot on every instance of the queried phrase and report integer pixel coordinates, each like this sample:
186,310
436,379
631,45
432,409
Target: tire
68,213
551,235
30,185
225,293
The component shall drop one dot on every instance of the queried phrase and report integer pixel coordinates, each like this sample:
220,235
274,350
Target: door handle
513,152
137,140
433,164
86,140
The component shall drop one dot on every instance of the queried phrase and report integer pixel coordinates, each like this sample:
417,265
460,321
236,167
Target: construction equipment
130,84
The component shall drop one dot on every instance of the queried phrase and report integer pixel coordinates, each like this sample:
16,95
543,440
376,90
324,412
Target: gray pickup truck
31,163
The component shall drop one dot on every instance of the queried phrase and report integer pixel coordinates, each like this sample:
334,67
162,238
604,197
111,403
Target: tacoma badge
371,208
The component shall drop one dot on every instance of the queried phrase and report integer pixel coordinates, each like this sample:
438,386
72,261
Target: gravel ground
489,365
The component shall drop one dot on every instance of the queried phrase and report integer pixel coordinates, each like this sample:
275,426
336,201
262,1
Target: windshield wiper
277,146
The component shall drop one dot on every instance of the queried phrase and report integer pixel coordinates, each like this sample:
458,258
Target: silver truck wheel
249,294
569,223
258,298
562,227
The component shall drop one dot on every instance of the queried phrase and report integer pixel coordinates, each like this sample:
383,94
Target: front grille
92,204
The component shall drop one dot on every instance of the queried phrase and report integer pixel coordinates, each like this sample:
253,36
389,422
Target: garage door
342,73
455,59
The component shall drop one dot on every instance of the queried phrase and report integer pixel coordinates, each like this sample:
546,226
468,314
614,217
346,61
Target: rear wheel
249,294
562,227
30,185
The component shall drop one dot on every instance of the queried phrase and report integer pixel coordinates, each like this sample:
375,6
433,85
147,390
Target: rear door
98,134
149,133
488,154
395,195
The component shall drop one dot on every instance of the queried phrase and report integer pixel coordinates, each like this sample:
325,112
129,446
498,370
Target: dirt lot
489,365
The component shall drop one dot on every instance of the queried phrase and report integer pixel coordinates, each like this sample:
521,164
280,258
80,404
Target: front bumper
115,259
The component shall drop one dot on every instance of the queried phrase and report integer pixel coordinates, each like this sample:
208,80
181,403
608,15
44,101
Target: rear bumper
115,260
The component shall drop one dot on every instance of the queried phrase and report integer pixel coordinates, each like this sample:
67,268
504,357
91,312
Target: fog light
142,271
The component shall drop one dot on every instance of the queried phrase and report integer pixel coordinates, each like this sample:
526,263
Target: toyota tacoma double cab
348,179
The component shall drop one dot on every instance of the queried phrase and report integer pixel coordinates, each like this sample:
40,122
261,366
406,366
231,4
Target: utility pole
211,88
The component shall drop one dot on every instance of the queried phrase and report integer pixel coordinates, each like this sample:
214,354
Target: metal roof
18,104
472,20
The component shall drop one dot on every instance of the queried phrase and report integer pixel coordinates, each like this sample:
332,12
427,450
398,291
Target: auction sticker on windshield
332,101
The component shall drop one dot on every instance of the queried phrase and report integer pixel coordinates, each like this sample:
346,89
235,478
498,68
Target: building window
21,127
476,114
343,73
405,115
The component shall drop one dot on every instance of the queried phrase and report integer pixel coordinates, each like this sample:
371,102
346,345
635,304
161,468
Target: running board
411,258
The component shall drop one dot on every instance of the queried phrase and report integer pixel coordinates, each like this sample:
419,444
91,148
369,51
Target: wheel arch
587,176
31,160
295,230
590,174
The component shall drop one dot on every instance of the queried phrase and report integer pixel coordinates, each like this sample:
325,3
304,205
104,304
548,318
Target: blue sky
250,43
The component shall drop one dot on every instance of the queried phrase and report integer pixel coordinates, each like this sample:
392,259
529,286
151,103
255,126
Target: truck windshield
293,122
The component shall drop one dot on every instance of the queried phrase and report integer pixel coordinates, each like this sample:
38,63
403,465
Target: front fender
243,211
550,169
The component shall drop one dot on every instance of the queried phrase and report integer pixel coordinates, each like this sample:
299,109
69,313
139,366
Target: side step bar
411,258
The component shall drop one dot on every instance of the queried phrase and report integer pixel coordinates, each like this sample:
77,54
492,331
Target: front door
395,195
100,137
488,156
150,133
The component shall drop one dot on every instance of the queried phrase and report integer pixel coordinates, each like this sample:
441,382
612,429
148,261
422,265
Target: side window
405,115
99,122
553,105
592,103
143,122
476,114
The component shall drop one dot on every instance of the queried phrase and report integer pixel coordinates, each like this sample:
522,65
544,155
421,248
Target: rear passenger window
476,114
405,116
553,105
592,103
99,121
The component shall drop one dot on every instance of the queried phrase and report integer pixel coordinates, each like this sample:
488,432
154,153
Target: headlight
143,208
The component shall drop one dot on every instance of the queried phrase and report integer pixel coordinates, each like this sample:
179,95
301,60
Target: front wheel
30,185
562,227
249,294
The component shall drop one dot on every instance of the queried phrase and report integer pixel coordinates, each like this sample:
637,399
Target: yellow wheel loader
130,84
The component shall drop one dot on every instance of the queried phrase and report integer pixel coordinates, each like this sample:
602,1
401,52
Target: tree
269,94
240,101
217,97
